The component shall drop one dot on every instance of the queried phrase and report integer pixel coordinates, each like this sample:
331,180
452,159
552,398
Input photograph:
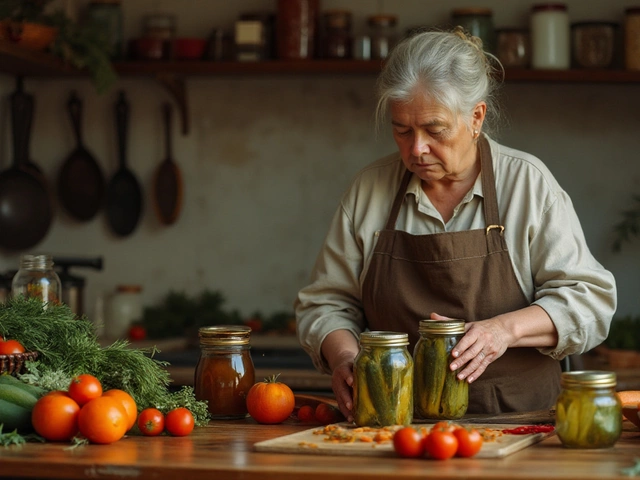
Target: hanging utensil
22,105
124,195
167,186
81,183
26,210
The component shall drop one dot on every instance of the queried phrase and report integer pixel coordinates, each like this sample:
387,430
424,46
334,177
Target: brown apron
467,275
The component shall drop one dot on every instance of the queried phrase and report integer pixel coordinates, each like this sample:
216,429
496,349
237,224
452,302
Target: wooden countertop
224,450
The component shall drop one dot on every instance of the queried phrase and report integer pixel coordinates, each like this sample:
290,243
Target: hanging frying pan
81,184
167,186
124,195
25,202
22,105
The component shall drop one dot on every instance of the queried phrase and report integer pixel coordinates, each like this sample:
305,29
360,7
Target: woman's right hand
342,385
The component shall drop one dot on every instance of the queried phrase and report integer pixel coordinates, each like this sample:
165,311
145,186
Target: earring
476,134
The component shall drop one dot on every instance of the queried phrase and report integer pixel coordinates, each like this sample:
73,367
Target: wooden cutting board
310,442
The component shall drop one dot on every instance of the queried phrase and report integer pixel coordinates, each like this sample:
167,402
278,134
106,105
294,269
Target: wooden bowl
14,363
32,36
632,413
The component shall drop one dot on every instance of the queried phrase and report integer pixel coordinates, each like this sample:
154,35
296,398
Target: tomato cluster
10,347
443,441
179,422
100,417
323,413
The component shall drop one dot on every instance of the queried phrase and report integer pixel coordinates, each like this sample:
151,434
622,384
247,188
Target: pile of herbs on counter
68,346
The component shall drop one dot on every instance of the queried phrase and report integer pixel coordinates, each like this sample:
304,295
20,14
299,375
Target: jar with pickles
438,393
225,371
588,410
383,386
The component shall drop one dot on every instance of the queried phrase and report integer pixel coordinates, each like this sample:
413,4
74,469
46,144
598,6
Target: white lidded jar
550,36
124,308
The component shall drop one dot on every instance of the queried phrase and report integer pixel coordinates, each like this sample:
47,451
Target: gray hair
448,67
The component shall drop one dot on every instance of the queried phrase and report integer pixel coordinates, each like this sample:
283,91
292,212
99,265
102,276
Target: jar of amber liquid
588,410
438,393
225,372
383,386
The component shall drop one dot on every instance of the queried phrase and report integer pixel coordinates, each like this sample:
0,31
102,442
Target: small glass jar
108,14
383,386
593,43
337,34
478,22
632,38
513,47
550,36
296,28
124,308
588,410
225,371
382,32
36,278
438,393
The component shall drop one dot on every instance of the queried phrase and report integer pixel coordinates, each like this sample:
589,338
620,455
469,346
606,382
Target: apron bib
465,275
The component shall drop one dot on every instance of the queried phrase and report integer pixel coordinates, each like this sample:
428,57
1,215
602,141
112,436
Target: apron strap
397,203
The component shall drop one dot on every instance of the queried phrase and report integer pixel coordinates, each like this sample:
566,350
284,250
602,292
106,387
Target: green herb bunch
68,346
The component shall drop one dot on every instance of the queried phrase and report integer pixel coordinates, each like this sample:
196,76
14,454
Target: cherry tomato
137,333
11,347
440,444
408,443
85,387
469,441
151,422
55,417
327,414
306,413
103,420
179,422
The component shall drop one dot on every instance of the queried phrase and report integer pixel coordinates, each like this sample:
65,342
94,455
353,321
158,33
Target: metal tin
438,393
383,386
588,410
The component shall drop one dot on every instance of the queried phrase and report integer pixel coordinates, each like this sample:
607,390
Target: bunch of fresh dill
68,346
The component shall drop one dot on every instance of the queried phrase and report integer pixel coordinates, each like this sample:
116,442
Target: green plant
624,333
628,227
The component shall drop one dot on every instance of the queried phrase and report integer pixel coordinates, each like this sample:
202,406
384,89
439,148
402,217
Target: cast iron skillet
25,202
167,186
81,184
124,195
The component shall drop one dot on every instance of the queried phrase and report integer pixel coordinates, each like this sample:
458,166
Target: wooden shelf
21,62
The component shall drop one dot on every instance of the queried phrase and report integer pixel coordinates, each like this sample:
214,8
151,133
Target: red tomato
469,442
270,401
85,387
440,444
151,422
408,442
179,422
327,414
137,333
10,347
103,420
254,323
127,402
306,413
55,417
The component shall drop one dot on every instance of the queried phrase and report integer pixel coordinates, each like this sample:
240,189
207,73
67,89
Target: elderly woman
456,225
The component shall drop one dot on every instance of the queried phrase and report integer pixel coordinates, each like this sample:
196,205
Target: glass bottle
632,38
478,21
225,372
36,278
108,15
550,36
337,34
125,308
296,28
588,410
383,386
438,393
382,31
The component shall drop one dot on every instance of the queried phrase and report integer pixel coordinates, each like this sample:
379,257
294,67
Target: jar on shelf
632,38
588,410
336,38
478,21
296,29
36,278
550,36
225,371
382,32
107,15
593,43
438,393
158,36
383,380
124,308
513,47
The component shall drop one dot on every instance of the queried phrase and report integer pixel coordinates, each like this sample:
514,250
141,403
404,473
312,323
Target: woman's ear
479,112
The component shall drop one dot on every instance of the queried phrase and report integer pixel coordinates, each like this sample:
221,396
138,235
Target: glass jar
36,278
296,28
632,38
383,386
513,47
124,308
225,372
438,393
108,15
382,32
336,41
478,22
588,410
550,36
593,43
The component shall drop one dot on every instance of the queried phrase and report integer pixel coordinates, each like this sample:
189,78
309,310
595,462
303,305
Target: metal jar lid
441,327
588,378
224,335
379,338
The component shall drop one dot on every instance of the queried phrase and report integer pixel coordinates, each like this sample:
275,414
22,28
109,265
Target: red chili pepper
529,429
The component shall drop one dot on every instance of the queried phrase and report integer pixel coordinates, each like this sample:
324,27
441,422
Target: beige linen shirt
550,256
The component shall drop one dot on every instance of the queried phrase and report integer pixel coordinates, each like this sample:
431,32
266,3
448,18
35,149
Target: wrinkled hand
342,383
483,342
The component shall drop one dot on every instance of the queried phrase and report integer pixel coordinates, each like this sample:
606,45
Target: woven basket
14,363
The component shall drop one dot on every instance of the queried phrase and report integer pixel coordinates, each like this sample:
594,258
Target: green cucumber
6,379
13,417
17,396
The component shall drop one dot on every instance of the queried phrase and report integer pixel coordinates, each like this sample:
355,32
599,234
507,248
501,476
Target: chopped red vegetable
529,429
